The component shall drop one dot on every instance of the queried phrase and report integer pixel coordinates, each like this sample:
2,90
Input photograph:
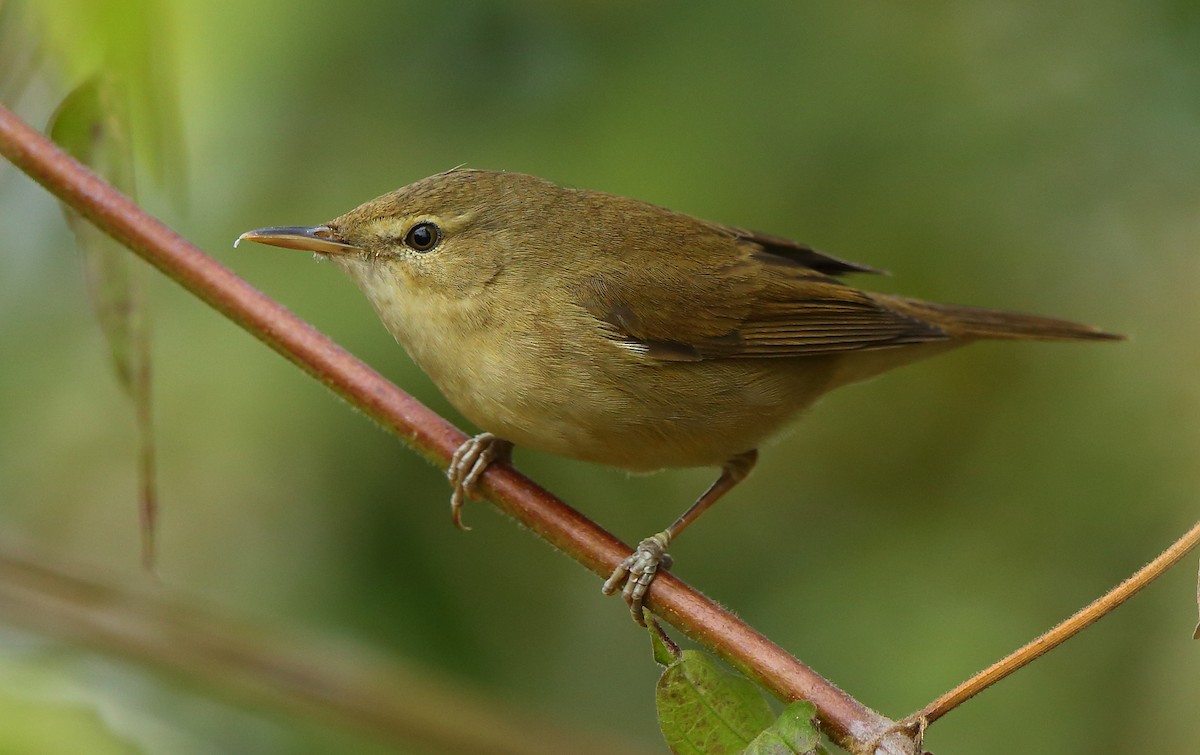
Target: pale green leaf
704,710
92,126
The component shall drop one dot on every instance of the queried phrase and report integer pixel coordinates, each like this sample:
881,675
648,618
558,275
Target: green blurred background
1040,157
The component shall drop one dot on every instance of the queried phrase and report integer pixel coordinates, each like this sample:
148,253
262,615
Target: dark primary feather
778,250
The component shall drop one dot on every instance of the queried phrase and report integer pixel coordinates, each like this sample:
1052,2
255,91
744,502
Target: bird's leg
637,571
470,461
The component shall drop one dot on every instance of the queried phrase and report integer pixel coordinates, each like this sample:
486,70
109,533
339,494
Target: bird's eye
423,236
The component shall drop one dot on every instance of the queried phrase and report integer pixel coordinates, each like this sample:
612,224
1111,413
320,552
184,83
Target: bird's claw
638,570
470,461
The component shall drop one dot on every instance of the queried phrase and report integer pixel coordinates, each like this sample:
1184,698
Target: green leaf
703,710
125,41
793,733
91,125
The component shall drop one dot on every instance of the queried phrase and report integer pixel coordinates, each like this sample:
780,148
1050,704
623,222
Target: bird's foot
470,461
637,572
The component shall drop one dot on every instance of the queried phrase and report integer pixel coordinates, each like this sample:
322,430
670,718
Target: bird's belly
647,416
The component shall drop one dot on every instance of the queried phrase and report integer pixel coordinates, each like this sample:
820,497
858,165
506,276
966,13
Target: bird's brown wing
745,296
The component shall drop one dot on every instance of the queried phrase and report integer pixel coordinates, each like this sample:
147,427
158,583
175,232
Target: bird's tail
974,322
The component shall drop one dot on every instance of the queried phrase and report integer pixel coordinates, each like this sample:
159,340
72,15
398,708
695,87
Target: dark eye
423,237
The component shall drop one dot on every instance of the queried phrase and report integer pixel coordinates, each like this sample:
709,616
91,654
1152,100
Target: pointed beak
317,238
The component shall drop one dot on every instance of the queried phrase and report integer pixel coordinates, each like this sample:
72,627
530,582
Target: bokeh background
908,531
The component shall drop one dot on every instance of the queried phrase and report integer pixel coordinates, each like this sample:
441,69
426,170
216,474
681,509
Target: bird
615,331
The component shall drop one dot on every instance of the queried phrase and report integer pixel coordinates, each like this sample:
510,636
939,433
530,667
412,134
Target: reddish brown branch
844,719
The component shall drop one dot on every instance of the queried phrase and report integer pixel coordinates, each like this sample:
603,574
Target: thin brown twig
846,721
1081,620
